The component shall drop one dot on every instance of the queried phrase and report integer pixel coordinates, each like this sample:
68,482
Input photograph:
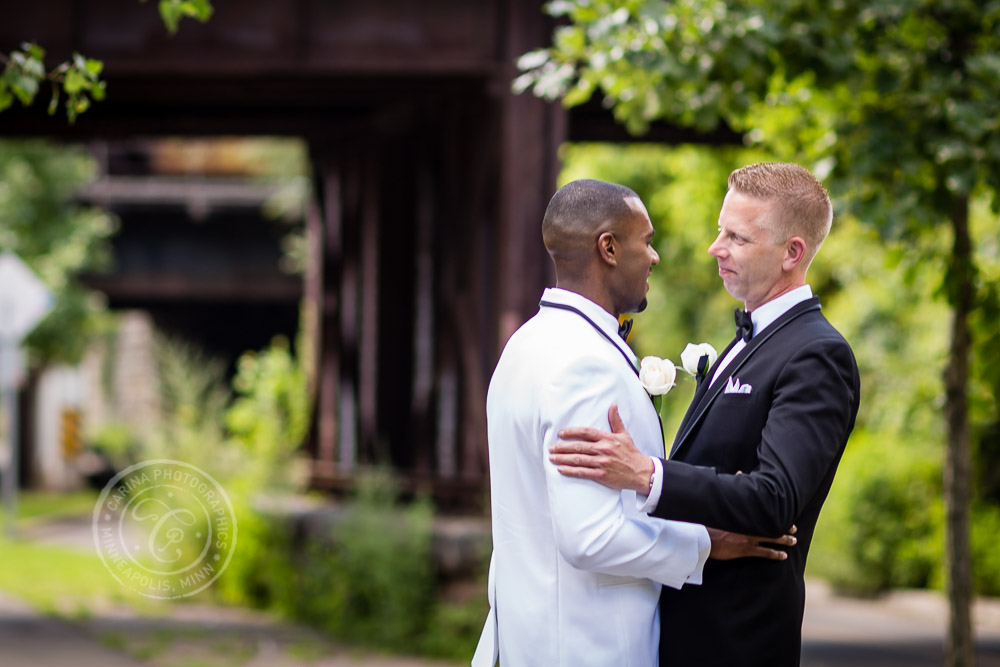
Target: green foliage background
56,237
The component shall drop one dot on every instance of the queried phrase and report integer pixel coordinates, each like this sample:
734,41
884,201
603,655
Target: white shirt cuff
704,549
648,503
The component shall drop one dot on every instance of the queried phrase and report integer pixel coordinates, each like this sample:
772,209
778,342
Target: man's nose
716,249
656,257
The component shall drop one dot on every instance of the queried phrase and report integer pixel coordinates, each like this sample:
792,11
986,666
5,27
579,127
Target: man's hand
609,458
727,546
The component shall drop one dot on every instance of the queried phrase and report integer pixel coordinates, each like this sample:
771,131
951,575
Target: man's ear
795,251
607,248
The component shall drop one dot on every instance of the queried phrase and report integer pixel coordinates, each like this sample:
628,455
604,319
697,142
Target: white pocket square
733,386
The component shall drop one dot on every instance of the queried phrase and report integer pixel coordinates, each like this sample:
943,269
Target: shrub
368,578
454,627
882,526
377,571
985,556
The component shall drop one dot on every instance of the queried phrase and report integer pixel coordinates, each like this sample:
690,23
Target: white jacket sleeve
593,530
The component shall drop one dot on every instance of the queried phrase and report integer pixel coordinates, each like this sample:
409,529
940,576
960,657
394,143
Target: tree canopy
58,238
895,100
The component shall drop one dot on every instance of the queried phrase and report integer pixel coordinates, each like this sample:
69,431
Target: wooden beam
328,260
371,222
264,36
592,121
425,330
173,286
351,212
531,132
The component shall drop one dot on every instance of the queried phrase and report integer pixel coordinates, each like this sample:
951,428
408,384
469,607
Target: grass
306,650
71,582
34,505
61,580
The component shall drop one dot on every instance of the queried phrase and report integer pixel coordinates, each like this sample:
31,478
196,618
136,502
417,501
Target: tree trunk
960,288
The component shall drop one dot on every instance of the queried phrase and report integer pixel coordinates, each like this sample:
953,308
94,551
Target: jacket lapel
700,392
702,402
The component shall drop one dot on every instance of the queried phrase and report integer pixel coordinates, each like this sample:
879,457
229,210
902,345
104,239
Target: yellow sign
70,433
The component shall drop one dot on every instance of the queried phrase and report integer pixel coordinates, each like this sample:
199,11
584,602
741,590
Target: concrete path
904,629
901,629
28,639
200,635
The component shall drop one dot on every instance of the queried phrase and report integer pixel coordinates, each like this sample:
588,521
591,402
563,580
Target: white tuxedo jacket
576,568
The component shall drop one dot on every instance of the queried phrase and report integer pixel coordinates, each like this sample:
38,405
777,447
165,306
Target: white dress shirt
576,570
762,316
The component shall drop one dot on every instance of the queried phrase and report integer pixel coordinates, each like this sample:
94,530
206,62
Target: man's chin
732,289
641,307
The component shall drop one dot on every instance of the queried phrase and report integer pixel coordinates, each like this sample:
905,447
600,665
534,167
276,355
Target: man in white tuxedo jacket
576,568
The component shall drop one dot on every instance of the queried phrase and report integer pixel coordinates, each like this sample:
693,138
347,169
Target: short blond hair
801,204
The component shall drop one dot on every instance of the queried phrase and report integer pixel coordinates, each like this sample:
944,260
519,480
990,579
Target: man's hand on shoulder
727,546
609,458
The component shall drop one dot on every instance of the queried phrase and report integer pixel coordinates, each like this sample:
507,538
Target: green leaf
533,59
34,67
202,9
75,82
94,67
578,94
170,13
25,88
34,51
54,102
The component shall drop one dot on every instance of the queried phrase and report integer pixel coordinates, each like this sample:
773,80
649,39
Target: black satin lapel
598,329
703,389
711,371
706,399
699,394
703,404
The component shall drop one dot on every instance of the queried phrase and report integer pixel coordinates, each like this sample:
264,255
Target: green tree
56,237
894,102
78,79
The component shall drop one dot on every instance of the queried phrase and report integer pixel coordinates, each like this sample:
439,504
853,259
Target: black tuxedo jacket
787,436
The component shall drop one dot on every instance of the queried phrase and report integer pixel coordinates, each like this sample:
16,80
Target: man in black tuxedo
760,443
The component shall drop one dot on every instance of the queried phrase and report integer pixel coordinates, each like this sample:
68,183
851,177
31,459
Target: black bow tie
744,325
624,328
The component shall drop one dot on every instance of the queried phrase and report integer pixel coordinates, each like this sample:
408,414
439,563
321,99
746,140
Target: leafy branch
78,80
172,11
25,73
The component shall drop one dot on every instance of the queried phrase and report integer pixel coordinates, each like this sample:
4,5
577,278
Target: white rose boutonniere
657,377
698,358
